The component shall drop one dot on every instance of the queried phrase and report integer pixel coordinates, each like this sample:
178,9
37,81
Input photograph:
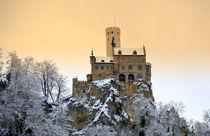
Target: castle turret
92,61
112,40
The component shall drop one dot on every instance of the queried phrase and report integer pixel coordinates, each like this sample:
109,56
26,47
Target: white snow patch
104,109
102,83
125,114
142,86
114,90
93,97
118,118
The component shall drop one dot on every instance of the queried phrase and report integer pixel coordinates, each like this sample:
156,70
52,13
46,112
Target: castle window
111,60
107,67
134,52
122,77
102,67
96,67
130,67
130,77
112,32
123,67
139,67
119,52
102,61
139,76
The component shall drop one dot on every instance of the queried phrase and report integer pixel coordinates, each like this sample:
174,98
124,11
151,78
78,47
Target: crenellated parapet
79,87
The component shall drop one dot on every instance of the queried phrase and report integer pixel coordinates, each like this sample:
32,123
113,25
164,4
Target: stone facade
123,64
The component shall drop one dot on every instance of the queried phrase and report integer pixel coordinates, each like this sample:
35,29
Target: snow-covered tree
13,70
21,104
46,73
1,61
60,82
206,117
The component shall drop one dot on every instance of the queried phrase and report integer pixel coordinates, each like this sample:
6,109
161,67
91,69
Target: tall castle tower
112,40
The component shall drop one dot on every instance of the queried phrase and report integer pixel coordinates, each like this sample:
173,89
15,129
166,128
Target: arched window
130,67
139,67
134,52
119,52
122,77
111,60
102,60
130,77
139,76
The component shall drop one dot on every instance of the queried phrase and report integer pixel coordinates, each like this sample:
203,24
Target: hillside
103,109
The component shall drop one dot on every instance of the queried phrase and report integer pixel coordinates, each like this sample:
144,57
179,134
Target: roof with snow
148,63
129,51
102,59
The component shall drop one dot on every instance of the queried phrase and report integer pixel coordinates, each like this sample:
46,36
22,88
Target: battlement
79,87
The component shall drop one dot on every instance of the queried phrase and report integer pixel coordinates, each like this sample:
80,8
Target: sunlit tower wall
112,40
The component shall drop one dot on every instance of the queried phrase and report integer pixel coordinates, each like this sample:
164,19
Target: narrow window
96,67
123,67
139,67
119,52
102,67
134,52
130,67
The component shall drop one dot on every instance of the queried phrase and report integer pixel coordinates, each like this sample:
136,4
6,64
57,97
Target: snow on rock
142,86
103,83
104,110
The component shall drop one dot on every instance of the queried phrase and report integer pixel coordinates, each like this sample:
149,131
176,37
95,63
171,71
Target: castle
123,64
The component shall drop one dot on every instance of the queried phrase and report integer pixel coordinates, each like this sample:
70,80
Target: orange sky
176,34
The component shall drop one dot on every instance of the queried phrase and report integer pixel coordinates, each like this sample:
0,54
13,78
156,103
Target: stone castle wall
102,71
79,87
131,64
125,88
122,64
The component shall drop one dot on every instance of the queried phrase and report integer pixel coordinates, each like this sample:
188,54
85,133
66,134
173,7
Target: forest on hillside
32,103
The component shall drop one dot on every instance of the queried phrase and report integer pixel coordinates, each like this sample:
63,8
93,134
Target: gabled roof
128,51
103,59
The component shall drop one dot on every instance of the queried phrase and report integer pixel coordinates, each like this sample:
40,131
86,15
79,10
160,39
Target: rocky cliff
108,107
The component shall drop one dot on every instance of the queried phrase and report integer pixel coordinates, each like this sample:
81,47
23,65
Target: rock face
110,106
